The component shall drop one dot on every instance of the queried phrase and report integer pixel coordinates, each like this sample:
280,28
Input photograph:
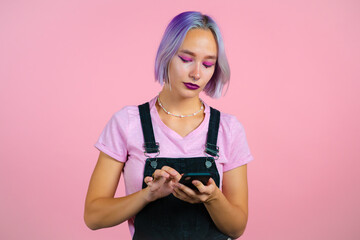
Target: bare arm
229,208
102,210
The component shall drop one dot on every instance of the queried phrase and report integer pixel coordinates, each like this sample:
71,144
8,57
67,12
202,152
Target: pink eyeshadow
186,59
208,63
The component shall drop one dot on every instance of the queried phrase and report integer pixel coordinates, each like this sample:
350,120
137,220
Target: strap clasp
211,149
151,147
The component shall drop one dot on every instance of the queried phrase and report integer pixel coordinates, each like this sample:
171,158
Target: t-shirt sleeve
239,152
112,139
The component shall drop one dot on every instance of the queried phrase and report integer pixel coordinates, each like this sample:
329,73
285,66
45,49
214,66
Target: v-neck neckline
172,132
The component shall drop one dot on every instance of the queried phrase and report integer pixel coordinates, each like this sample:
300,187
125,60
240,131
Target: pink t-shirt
122,139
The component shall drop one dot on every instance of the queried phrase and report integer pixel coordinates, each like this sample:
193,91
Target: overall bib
169,217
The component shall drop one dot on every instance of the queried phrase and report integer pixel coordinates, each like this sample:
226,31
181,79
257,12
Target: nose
195,73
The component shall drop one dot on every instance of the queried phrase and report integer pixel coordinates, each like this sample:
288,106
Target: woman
153,144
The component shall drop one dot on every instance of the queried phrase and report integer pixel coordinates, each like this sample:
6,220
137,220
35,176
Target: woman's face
193,65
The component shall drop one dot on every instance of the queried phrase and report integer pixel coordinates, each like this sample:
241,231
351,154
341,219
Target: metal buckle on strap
212,151
157,154
156,147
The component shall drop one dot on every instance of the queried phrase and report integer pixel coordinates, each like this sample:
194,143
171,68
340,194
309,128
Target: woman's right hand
161,183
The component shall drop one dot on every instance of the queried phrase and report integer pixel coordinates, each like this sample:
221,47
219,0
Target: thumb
211,181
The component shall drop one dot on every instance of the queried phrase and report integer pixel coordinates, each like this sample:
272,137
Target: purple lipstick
191,86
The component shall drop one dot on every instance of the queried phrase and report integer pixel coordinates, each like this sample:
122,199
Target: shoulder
132,110
230,123
126,113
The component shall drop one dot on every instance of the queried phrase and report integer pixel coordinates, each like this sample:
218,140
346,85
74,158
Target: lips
191,86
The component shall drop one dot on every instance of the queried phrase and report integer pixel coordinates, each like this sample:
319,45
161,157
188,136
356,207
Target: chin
191,94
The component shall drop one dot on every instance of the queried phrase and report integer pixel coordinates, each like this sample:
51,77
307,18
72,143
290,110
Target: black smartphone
187,179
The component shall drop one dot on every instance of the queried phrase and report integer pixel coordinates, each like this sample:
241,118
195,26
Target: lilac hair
174,36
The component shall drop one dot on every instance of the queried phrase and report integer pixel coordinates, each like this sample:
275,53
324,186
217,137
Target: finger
160,173
211,182
156,185
160,181
178,193
205,189
186,190
148,179
150,184
174,174
178,177
200,186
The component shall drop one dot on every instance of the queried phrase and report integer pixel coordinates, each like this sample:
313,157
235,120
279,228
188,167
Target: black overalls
169,217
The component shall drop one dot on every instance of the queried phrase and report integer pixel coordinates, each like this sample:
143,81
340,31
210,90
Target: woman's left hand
203,194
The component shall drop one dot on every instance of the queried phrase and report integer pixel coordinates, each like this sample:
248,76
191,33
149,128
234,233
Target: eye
208,64
185,59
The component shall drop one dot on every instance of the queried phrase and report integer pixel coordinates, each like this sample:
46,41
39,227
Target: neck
177,104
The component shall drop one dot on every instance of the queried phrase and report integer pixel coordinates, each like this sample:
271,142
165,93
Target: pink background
67,66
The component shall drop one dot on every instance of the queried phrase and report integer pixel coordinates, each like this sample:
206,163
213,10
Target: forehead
200,42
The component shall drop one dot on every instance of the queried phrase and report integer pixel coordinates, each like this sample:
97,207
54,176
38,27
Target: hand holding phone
187,179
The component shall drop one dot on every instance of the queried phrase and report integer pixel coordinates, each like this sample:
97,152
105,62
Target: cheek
209,74
179,70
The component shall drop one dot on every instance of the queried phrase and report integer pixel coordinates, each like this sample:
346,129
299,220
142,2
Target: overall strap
149,139
210,147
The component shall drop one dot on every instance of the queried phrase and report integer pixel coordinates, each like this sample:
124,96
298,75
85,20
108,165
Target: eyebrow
193,54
